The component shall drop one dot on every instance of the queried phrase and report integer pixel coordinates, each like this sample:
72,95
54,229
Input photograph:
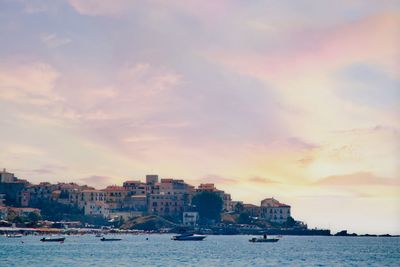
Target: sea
160,250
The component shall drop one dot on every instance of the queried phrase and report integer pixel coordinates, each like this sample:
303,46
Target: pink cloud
28,82
97,8
372,39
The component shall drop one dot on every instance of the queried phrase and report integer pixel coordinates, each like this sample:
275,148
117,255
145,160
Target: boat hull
110,239
61,239
189,238
264,240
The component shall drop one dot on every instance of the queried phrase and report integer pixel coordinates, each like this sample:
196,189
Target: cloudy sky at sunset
299,100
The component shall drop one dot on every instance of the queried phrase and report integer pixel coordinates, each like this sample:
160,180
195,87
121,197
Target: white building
6,177
96,208
190,218
87,196
274,211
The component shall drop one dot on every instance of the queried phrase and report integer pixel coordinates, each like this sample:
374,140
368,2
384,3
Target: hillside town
166,198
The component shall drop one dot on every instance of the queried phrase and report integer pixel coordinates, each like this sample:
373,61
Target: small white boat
188,237
14,236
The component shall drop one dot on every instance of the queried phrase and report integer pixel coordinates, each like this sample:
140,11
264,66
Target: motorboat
188,237
110,239
52,239
263,240
99,235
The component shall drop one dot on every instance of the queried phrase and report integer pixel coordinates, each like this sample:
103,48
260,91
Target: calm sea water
159,250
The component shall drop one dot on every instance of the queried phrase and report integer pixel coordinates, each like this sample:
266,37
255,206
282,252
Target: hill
148,223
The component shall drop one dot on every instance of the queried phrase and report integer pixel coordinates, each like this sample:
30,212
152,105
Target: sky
297,100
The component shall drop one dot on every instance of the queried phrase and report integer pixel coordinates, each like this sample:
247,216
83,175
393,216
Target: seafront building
274,211
167,197
190,218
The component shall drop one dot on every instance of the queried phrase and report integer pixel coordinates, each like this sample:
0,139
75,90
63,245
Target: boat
52,239
99,235
263,240
110,239
188,237
14,236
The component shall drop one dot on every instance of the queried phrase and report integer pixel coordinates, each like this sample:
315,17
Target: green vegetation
244,218
54,211
34,218
238,208
290,222
209,205
148,223
30,220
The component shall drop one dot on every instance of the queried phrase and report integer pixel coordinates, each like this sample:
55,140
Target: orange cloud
261,180
357,179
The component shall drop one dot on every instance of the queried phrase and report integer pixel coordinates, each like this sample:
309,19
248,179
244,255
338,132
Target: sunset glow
298,101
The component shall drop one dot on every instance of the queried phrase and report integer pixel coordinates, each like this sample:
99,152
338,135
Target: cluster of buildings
165,197
270,209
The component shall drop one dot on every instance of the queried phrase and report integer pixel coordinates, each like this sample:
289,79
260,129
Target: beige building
135,187
251,210
165,205
274,211
135,203
151,179
87,196
115,196
96,208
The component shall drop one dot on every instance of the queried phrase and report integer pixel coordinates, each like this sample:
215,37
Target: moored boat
110,239
188,237
52,239
14,236
263,240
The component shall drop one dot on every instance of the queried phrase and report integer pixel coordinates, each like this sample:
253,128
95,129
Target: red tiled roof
133,182
91,190
271,202
114,188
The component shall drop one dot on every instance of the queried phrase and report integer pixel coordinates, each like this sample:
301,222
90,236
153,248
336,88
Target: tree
238,207
209,206
290,222
34,217
11,215
244,218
